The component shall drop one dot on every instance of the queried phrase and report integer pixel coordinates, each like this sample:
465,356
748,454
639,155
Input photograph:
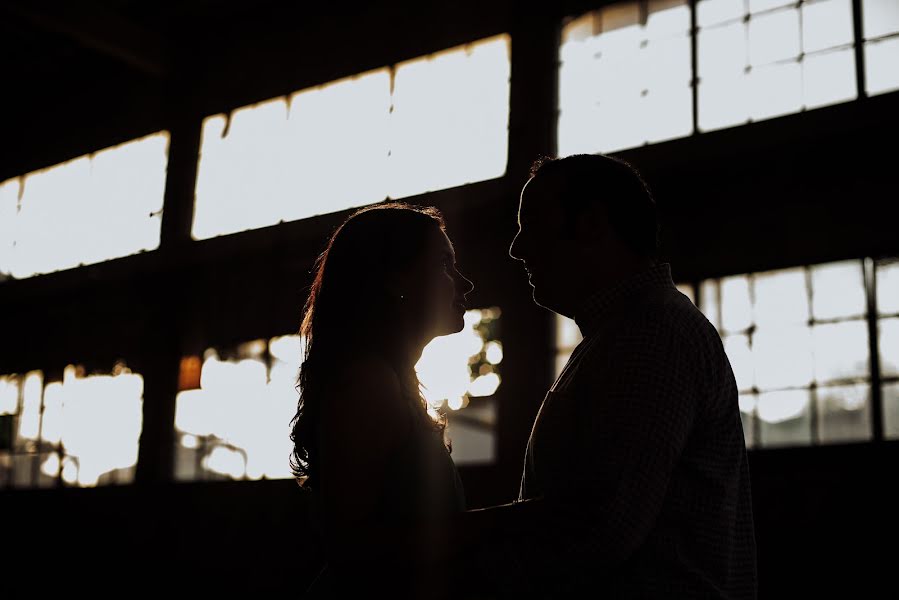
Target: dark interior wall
811,187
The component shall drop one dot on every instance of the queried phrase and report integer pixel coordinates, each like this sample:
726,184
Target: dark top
638,451
420,488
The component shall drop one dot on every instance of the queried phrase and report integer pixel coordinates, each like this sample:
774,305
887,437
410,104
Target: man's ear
591,226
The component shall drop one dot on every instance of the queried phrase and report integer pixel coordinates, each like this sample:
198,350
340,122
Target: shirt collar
594,308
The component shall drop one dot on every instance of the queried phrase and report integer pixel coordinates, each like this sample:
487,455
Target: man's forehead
538,196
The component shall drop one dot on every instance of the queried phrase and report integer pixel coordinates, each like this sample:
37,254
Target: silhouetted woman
366,447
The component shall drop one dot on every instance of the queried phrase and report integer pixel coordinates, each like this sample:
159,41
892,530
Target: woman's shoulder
369,388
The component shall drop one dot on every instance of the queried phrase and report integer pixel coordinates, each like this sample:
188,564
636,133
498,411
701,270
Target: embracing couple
635,481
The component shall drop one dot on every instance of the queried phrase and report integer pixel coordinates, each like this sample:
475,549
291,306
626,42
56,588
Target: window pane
93,208
667,17
622,84
828,78
826,24
844,413
888,346
784,418
723,102
783,357
888,287
450,118
736,309
441,121
891,410
773,37
687,290
748,404
775,90
879,17
289,159
760,5
709,301
712,12
84,429
225,428
740,357
722,51
881,60
568,335
841,350
838,290
781,298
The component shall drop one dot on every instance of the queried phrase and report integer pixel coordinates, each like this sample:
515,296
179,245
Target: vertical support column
161,355
527,329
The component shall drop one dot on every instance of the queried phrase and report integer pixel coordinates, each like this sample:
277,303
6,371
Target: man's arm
639,400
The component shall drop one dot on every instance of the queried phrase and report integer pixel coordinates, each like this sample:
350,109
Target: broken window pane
320,150
82,431
228,428
623,83
90,209
428,124
844,413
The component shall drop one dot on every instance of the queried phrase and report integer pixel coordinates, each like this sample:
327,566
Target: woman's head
386,282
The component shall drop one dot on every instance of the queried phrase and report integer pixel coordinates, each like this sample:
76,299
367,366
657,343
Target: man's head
584,221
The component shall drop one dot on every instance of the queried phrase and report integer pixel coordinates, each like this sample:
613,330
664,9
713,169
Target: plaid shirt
639,456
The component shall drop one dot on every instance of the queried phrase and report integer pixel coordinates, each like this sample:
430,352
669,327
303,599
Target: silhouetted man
636,482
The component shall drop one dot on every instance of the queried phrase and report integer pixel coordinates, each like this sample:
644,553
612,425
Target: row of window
625,78
797,339
232,412
798,342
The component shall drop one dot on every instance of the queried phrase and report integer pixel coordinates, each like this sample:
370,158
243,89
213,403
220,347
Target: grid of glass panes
624,77
425,124
880,30
82,430
93,208
759,59
234,407
887,298
797,340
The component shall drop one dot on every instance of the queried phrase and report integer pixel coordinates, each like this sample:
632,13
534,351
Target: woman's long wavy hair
350,311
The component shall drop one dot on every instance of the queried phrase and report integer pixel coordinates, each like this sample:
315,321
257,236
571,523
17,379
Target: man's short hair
595,178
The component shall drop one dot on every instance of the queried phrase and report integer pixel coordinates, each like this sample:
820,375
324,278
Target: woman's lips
460,306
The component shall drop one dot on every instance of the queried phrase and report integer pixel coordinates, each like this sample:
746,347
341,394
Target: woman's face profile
441,297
